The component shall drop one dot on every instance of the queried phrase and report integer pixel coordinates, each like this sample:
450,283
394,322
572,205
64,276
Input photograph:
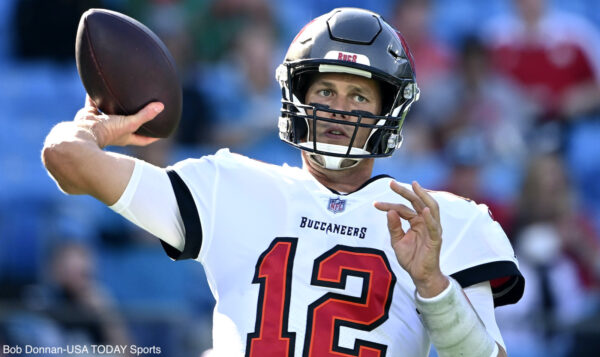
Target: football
123,66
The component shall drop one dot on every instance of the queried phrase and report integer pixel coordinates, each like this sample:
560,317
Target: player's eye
360,99
325,92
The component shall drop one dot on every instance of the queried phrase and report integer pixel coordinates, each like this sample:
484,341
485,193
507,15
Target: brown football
124,66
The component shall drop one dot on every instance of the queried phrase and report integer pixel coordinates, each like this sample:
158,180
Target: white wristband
436,298
453,325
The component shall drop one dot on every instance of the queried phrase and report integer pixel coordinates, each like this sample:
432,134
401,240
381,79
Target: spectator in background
420,158
467,155
68,306
559,254
229,42
247,70
170,20
432,56
474,105
78,303
475,99
548,197
216,26
555,56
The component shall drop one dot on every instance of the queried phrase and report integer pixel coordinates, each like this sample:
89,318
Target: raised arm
453,324
73,151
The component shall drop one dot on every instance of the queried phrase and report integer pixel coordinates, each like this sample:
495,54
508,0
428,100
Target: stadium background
72,271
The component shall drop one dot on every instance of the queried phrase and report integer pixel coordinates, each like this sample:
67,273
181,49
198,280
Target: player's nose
340,104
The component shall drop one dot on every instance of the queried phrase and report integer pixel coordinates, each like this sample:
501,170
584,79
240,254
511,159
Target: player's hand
117,130
418,248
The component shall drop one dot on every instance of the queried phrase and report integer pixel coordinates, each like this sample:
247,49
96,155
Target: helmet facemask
296,119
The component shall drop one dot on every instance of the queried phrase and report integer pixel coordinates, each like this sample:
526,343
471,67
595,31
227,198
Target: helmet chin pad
332,162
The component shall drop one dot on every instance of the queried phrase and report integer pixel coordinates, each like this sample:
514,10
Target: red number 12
327,314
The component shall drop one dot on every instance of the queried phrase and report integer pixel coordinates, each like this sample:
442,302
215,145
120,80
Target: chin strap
333,162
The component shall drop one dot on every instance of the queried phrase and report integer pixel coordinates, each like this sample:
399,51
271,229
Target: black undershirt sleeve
505,279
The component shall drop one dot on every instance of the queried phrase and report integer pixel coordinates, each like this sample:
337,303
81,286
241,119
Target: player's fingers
433,227
140,140
148,113
415,201
403,210
427,199
82,113
86,114
90,106
394,225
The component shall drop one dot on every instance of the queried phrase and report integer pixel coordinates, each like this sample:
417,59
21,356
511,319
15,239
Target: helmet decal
348,56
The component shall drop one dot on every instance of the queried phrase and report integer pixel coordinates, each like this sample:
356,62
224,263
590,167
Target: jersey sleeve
175,204
478,250
150,203
196,185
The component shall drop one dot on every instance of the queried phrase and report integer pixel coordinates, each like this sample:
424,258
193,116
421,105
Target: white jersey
300,270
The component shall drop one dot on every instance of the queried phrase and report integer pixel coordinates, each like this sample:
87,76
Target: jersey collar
365,184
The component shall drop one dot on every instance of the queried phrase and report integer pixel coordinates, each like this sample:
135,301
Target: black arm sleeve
505,278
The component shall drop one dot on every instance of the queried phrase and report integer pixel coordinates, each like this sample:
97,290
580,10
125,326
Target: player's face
343,92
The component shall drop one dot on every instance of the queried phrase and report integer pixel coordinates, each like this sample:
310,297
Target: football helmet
352,41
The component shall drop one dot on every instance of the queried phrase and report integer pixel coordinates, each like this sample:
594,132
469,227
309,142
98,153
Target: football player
323,260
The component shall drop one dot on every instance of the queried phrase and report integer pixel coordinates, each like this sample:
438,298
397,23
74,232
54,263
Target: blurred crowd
509,116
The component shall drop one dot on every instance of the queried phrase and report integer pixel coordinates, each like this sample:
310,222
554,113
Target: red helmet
357,42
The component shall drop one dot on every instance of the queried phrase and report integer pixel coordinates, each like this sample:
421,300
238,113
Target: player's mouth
335,133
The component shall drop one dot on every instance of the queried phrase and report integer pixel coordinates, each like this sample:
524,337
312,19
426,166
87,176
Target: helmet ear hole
302,82
300,129
377,142
388,96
